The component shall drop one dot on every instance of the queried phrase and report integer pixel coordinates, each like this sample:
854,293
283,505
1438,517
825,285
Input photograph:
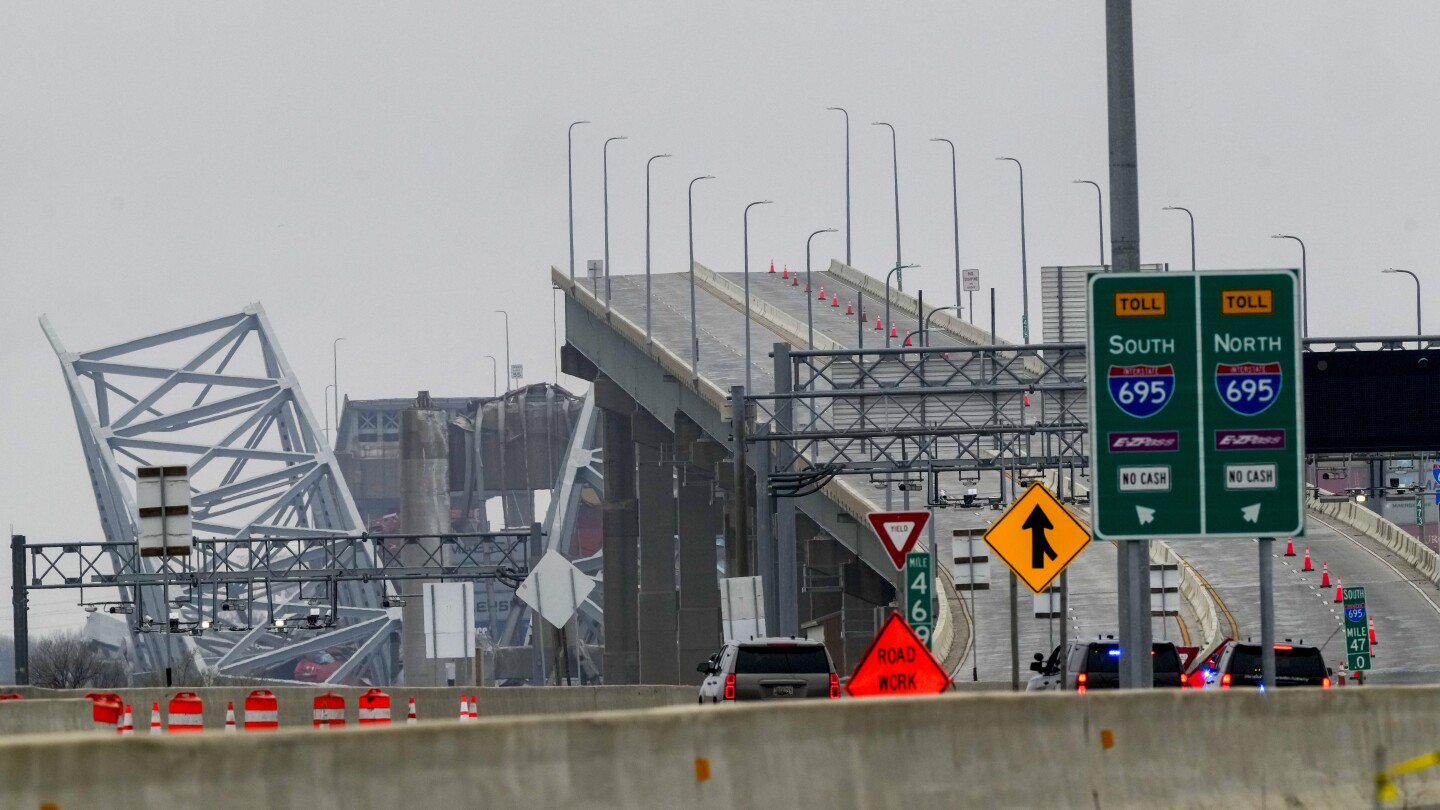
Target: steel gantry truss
234,577
219,397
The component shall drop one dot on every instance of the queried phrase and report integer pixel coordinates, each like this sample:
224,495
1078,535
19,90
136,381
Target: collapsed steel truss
219,397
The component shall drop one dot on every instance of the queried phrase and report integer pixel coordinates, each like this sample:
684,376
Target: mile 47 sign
1357,631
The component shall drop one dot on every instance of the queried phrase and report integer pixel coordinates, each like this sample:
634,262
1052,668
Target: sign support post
1267,611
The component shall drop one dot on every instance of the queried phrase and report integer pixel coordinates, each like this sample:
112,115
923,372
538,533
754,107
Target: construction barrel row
261,712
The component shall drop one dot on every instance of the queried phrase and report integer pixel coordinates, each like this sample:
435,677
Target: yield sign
897,663
898,532
1037,537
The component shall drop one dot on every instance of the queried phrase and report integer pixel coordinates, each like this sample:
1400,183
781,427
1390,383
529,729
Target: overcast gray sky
392,172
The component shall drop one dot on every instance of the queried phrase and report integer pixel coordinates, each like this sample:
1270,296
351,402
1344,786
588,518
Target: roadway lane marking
1384,561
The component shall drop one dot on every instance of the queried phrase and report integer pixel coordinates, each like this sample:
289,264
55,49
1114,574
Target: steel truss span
219,397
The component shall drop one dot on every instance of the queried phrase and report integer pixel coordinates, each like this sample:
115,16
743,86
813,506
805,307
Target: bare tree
7,660
69,660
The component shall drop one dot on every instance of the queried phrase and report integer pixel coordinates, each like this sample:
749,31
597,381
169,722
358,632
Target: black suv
1080,666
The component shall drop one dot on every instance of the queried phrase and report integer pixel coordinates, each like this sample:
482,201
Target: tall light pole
888,325
847,181
955,210
895,166
1304,285
1099,215
748,387
328,389
1192,230
570,187
647,243
1024,262
694,328
494,376
605,175
1418,330
809,301
335,376
508,367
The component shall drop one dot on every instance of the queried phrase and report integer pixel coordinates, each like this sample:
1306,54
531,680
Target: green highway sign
1195,405
1357,631
918,582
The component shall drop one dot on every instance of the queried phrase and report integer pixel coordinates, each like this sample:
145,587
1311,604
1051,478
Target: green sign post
1357,631
1195,405
919,579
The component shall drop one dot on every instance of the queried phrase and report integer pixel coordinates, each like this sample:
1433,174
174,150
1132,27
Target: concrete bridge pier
701,506
658,603
620,533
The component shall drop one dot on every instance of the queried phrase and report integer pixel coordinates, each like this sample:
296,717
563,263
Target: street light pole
895,165
888,324
328,389
1099,215
955,210
494,376
605,182
647,244
809,302
335,377
1192,231
1418,330
694,328
847,181
570,187
748,385
1304,285
1024,263
508,367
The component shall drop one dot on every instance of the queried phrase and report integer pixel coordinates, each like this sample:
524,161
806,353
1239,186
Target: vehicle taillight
835,685
1325,683
1284,647
1080,682
1225,681
730,687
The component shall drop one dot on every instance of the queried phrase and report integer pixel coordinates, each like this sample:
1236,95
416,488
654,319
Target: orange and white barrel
105,710
374,708
329,711
262,711
187,713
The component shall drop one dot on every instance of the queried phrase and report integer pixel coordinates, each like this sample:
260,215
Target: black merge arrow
1040,548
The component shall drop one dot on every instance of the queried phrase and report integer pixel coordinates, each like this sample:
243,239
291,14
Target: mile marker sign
898,532
897,663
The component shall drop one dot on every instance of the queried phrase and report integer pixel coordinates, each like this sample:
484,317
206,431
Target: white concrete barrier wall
1293,748
45,716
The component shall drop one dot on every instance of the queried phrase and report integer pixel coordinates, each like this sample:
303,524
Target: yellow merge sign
1037,537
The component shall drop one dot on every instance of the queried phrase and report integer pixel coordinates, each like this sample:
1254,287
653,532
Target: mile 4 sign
1357,631
897,663
919,580
898,532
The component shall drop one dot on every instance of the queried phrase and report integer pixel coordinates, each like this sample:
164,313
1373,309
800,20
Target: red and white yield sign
898,532
897,663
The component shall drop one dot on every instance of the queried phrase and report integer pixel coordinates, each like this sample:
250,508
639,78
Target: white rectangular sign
970,279
1250,476
162,498
1145,479
742,608
450,620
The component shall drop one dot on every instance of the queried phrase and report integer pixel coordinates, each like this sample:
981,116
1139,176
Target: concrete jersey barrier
1163,748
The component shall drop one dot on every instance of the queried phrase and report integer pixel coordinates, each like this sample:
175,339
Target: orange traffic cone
1289,547
878,326
127,723
822,292
230,717
893,331
849,307
907,337
772,266
474,708
155,727
1307,566
464,709
1324,574
834,301
410,718
785,274
795,280
1339,590
1373,642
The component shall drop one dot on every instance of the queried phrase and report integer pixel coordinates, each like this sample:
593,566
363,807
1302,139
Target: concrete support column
701,519
424,509
620,532
655,495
